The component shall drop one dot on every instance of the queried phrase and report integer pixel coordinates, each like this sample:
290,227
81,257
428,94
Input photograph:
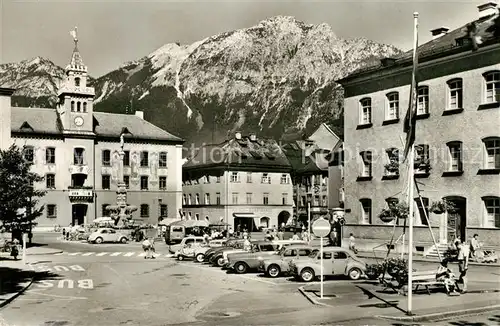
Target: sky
113,32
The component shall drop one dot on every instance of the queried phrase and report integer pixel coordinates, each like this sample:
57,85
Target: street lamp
309,200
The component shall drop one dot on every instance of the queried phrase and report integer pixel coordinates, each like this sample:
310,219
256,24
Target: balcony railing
80,194
79,169
74,89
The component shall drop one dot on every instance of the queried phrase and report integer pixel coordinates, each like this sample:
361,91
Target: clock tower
75,105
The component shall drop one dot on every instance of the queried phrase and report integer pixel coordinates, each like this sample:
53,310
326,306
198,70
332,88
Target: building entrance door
79,212
456,222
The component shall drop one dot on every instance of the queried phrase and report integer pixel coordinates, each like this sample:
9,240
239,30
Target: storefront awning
245,215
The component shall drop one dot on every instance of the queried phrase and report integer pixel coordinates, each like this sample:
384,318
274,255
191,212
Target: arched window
492,86
366,210
491,211
77,81
365,111
84,106
423,100
492,152
72,106
78,106
392,106
455,94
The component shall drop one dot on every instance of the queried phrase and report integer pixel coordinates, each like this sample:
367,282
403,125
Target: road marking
59,254
115,254
224,272
102,254
128,254
74,253
57,296
141,254
88,254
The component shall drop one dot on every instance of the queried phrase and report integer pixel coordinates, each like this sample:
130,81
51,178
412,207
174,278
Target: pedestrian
206,238
463,264
14,250
352,243
64,233
245,233
295,236
281,234
231,232
147,246
445,275
474,245
268,236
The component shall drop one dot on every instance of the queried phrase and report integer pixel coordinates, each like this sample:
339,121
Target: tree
17,191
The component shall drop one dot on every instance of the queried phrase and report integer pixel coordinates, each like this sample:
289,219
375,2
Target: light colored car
107,235
199,252
188,250
187,240
242,262
336,261
275,265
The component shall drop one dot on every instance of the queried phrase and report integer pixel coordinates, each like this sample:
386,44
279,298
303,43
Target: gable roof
245,154
485,29
46,121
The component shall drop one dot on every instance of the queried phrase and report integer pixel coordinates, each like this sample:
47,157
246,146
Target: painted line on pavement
88,254
59,254
129,254
58,296
115,254
74,253
224,272
102,254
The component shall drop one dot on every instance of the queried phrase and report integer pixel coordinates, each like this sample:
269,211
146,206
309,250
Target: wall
5,118
469,126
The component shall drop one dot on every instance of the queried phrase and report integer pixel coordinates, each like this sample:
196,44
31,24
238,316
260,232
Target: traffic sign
321,227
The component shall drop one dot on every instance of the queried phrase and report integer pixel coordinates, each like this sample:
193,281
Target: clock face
79,121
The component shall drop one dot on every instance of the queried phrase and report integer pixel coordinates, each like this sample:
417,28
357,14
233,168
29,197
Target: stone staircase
432,252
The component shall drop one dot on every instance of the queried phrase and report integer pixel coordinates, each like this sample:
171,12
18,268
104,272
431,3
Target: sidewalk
368,298
381,255
15,278
34,251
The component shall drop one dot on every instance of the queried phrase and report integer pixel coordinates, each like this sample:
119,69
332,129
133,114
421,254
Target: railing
80,90
79,169
80,193
80,187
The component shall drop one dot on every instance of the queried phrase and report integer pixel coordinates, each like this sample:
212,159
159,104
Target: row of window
50,182
491,158
234,177
454,100
490,214
80,106
51,210
79,155
188,199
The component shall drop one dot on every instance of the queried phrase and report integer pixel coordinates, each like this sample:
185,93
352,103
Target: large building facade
77,152
457,139
243,181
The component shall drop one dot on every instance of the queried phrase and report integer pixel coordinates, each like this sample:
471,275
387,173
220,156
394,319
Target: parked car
199,252
107,235
187,240
242,262
276,265
218,257
188,250
336,261
230,243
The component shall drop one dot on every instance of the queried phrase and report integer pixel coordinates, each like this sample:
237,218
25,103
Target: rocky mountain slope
275,78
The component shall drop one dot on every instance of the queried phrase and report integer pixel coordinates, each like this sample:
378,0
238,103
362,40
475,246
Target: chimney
237,135
139,114
253,137
487,9
438,32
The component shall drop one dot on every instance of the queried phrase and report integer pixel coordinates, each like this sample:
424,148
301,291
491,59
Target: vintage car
199,252
230,244
188,250
107,235
336,261
242,262
218,259
276,265
187,240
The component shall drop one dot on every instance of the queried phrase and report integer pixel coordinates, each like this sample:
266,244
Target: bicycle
7,246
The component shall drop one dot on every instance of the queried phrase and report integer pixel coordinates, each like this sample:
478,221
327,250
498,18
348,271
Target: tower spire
76,62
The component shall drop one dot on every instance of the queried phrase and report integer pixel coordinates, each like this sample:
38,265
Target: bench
425,279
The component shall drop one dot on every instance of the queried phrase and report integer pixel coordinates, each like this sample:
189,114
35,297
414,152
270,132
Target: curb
15,295
427,260
443,315
55,251
311,298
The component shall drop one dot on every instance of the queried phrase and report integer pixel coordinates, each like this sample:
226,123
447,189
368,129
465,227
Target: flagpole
411,163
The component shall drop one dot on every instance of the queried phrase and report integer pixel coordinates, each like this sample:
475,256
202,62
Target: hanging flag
472,33
411,114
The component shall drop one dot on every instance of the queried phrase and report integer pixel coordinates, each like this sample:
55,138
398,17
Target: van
174,234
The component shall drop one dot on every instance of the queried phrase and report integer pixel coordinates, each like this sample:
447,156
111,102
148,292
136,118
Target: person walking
295,236
474,245
463,264
352,243
14,250
147,246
